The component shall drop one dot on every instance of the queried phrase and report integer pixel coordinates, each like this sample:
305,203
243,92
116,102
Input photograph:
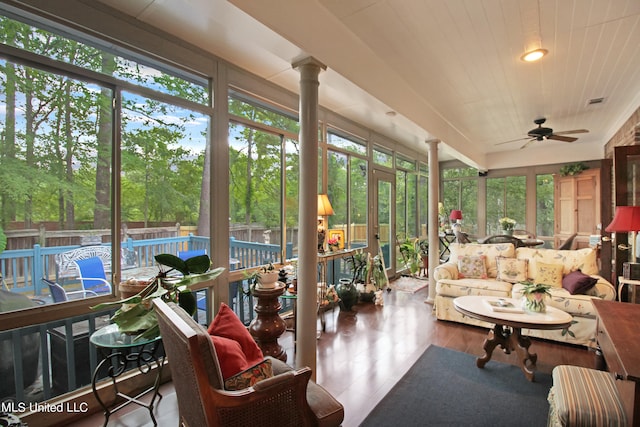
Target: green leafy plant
378,274
535,288
507,223
410,251
136,315
255,275
359,264
573,169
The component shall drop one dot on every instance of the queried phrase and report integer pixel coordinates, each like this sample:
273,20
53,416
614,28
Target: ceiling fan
543,133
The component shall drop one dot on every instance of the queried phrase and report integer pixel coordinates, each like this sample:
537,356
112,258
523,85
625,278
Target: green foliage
410,251
136,313
3,240
573,169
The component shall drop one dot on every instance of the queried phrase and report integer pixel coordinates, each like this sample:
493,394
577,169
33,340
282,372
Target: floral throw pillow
548,274
512,270
250,376
472,267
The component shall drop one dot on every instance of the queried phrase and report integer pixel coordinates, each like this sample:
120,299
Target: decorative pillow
472,267
512,270
548,274
249,377
577,282
227,325
230,356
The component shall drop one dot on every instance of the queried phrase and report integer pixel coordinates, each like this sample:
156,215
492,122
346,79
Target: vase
347,293
534,302
508,232
334,248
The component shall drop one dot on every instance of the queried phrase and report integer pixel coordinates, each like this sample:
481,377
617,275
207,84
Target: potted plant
409,250
359,264
136,315
378,273
534,296
264,277
423,249
507,224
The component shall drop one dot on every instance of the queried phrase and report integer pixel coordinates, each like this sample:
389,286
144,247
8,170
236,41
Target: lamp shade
626,218
324,205
455,214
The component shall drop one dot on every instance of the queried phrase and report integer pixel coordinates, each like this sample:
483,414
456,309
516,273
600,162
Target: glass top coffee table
507,330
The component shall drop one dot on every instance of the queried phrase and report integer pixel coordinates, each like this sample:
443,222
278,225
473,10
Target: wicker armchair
288,398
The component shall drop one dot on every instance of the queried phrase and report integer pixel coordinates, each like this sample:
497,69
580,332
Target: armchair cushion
250,376
227,325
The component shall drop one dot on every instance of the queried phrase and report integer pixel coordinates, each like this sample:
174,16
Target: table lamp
626,220
456,215
324,210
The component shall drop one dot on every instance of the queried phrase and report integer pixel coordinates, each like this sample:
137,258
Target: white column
307,308
432,226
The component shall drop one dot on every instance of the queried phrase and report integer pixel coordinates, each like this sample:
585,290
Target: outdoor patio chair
288,398
201,296
185,255
92,276
502,238
461,237
59,294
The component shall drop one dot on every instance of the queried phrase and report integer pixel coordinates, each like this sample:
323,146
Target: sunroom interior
147,127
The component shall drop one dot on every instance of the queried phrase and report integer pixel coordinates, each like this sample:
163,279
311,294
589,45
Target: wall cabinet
577,207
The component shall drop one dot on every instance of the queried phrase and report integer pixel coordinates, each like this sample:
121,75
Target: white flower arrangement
507,223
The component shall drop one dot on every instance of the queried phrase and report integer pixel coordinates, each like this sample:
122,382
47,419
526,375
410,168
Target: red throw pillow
230,356
226,324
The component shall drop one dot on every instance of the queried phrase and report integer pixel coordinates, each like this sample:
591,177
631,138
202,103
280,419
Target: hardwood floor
362,354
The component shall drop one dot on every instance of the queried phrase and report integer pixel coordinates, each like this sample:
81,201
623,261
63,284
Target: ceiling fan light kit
534,55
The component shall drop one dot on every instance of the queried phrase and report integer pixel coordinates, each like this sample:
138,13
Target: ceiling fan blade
513,140
562,138
528,142
567,132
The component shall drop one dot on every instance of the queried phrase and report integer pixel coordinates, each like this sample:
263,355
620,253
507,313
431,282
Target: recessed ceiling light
391,113
534,55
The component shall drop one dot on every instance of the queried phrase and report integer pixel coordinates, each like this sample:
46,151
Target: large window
347,188
263,181
460,191
506,197
544,205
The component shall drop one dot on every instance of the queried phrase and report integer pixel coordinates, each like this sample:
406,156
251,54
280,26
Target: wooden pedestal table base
268,325
509,339
507,329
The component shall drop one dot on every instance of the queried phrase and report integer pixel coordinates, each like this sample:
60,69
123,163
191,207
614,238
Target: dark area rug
444,387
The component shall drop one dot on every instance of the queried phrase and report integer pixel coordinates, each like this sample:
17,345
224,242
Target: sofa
498,270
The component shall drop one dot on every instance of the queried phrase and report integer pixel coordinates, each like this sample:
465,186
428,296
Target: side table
632,284
268,325
118,351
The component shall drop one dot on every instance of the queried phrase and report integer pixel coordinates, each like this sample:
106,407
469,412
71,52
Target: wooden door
577,207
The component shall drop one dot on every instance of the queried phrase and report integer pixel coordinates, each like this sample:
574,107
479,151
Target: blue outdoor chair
185,255
201,296
92,275
59,294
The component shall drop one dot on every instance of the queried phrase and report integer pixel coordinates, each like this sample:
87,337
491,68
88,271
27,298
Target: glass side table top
111,337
